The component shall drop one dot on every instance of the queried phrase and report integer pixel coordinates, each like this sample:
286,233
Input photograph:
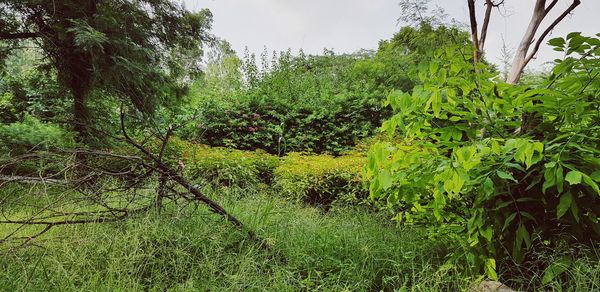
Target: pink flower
255,116
251,129
200,126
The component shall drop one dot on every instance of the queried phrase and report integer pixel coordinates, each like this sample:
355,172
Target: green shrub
280,129
32,134
304,103
513,166
227,166
319,104
321,179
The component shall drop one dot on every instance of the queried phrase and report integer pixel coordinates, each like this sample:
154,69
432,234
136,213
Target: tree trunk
80,113
520,60
524,54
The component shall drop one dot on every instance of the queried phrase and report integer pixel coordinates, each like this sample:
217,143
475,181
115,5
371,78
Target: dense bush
301,104
32,134
228,166
319,104
321,179
26,88
508,166
262,126
314,179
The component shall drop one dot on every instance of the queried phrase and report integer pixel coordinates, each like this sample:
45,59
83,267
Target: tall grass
189,249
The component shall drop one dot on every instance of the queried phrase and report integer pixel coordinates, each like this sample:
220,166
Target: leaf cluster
511,166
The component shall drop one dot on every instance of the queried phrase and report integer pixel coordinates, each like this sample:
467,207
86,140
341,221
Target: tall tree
529,45
143,50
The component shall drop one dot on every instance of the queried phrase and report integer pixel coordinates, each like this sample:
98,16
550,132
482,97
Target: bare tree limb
474,27
551,27
19,35
30,179
164,169
523,54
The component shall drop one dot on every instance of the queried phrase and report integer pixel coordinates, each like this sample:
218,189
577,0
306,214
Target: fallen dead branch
97,176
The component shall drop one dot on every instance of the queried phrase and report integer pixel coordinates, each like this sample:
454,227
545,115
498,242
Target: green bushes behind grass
30,134
298,103
229,167
321,179
314,179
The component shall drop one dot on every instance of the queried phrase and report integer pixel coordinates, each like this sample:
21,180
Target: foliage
228,167
419,12
296,104
26,88
320,104
511,166
315,179
321,179
144,51
32,134
186,249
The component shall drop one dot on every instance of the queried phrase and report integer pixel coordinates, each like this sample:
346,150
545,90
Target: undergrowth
191,249
186,248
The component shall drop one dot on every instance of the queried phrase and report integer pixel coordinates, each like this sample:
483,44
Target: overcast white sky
349,25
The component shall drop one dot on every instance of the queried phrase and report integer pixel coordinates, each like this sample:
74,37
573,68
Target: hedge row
314,179
321,179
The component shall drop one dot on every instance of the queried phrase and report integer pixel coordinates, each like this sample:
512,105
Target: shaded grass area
190,249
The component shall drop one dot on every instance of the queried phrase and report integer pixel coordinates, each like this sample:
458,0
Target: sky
346,26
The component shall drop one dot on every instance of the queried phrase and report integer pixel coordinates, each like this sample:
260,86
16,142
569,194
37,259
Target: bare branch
19,35
29,179
474,36
525,52
539,41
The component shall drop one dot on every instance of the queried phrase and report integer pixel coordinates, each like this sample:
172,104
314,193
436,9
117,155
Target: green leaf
436,103
490,269
595,175
557,42
508,220
575,211
488,186
564,204
549,179
555,269
386,179
590,182
560,179
487,233
522,236
505,175
433,67
574,177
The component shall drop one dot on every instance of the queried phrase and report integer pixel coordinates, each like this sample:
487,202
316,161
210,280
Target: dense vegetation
140,152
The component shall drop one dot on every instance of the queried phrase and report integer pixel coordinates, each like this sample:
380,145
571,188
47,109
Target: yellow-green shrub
321,179
228,166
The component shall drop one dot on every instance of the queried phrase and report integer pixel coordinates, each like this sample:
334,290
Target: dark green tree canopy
143,50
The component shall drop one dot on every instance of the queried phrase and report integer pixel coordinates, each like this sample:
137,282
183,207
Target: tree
222,73
141,50
529,46
418,12
506,192
408,48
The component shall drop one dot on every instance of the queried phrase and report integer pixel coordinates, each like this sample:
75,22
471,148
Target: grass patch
189,249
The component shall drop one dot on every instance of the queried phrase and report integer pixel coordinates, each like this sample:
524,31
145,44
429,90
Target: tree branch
550,6
474,37
539,41
19,35
486,22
